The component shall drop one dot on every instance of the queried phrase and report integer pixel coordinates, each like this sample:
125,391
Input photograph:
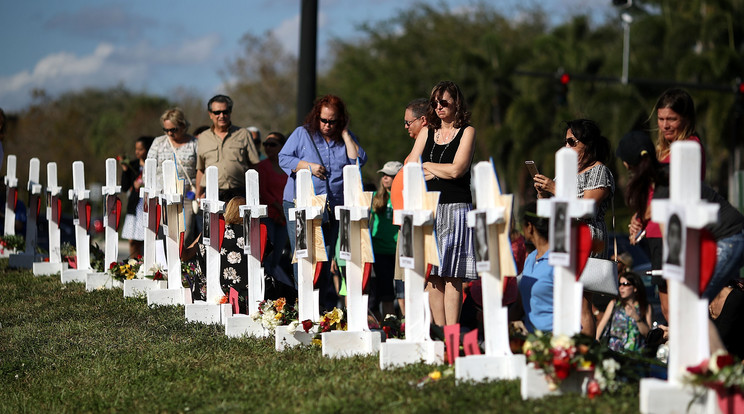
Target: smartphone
531,167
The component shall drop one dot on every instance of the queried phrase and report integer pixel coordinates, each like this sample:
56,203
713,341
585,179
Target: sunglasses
625,284
170,130
409,123
270,144
572,142
330,122
442,102
218,113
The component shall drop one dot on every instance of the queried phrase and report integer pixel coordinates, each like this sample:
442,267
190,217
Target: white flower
241,242
255,315
268,320
234,257
713,361
132,262
561,341
229,233
230,274
292,327
223,251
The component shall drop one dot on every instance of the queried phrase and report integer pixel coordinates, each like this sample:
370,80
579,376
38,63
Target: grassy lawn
63,349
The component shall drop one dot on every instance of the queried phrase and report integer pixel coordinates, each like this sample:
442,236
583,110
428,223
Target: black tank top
455,190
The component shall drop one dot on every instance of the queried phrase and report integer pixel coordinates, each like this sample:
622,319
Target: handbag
600,275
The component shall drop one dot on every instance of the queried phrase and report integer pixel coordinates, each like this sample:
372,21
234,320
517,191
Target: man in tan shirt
226,146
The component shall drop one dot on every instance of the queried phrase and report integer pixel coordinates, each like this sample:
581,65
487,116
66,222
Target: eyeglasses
330,122
218,113
442,102
625,284
409,123
170,130
270,144
572,142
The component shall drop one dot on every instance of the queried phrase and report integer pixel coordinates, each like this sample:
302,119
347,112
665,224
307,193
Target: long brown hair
462,116
312,120
679,101
380,200
232,210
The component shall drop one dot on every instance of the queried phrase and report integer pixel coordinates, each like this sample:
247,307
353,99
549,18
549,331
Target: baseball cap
633,146
391,168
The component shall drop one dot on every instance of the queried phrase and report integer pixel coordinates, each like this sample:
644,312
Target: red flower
700,369
387,331
592,390
562,366
724,360
307,324
112,265
157,276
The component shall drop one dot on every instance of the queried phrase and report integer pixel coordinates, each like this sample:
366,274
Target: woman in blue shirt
536,284
324,145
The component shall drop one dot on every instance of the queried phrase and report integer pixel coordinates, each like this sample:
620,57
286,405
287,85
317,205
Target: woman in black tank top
445,147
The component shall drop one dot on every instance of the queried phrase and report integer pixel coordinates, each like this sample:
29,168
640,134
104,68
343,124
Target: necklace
450,139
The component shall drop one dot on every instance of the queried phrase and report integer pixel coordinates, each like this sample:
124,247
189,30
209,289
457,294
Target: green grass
63,349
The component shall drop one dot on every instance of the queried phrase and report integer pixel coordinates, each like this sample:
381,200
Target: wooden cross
79,196
417,217
11,195
112,210
149,194
688,313
53,210
173,198
492,218
252,212
356,210
32,209
213,209
310,249
565,206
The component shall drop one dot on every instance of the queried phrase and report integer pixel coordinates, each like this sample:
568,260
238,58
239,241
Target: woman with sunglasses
180,147
627,320
324,145
446,147
271,182
594,179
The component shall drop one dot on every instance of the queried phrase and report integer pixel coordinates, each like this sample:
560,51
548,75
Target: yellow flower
435,375
317,342
279,304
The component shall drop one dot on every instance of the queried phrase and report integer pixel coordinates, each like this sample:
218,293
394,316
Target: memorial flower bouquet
721,372
725,375
333,320
157,272
273,313
13,242
126,269
558,356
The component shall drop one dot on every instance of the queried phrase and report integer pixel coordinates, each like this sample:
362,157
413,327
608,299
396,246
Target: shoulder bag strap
178,162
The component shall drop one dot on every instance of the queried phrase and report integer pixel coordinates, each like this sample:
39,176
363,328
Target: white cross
79,196
688,313
110,196
567,292
53,210
149,194
174,205
34,195
11,182
213,208
417,207
356,205
252,212
311,206
497,210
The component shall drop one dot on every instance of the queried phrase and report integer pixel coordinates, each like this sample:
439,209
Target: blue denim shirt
299,147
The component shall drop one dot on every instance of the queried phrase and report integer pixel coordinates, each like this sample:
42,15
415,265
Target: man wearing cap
384,241
226,146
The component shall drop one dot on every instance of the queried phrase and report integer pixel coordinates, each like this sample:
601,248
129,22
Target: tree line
505,66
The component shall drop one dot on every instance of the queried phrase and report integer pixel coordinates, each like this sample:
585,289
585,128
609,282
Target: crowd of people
444,144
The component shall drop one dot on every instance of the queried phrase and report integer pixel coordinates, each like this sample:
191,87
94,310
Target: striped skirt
455,242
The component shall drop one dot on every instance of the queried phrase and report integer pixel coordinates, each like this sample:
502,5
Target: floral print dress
233,266
624,333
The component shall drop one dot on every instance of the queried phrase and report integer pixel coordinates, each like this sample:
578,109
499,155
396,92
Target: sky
159,46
